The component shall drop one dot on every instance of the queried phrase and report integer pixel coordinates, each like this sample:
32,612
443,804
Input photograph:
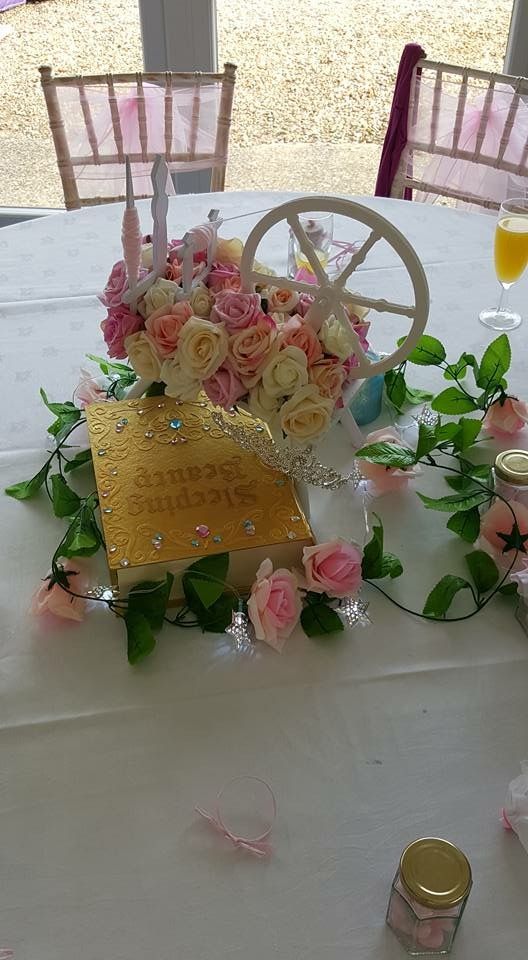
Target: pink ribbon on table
258,846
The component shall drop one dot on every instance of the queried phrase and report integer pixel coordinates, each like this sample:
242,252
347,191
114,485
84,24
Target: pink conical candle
131,236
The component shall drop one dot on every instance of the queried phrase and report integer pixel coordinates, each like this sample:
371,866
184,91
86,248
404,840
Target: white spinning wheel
330,293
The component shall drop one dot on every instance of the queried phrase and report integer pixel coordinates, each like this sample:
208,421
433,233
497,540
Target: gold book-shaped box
173,488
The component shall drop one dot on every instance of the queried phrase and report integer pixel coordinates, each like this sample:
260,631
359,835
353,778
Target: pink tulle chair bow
259,846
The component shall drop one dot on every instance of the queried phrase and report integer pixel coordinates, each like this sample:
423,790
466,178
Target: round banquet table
398,730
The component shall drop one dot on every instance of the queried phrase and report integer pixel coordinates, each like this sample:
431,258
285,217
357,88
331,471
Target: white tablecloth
399,730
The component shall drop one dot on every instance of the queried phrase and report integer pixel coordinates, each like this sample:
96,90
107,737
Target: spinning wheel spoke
357,259
270,280
381,306
307,248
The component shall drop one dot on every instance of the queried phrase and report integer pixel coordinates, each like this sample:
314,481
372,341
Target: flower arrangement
259,350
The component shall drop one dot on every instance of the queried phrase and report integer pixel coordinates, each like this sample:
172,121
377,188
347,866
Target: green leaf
417,396
319,618
456,371
59,409
443,594
387,454
426,440
150,598
372,563
140,638
207,578
109,367
453,401
391,566
508,589
156,389
27,489
467,433
427,352
218,616
494,364
395,388
446,432
65,500
455,502
466,523
84,456
82,538
483,570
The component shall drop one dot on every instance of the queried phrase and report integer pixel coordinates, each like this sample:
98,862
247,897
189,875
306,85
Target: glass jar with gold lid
510,475
428,896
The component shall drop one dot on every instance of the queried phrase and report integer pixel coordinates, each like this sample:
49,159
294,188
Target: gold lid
435,872
512,466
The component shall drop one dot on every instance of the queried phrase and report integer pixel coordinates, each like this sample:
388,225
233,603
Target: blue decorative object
365,405
175,424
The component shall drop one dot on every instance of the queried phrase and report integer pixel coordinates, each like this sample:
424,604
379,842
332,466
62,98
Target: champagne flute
511,258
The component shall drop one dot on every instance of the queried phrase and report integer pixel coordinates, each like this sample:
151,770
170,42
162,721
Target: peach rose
51,598
163,329
306,415
386,478
283,301
251,348
507,418
333,567
143,356
274,606
285,372
328,375
299,334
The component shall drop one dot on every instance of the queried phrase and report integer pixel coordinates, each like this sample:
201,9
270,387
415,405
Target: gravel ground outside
313,91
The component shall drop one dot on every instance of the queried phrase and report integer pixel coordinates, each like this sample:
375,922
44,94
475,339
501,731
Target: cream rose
263,406
337,337
143,356
147,256
283,301
177,384
267,271
201,301
229,251
356,313
306,415
162,293
285,372
202,348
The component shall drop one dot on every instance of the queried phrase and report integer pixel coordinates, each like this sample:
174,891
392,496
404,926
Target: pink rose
163,327
223,276
328,375
224,388
274,606
237,310
498,519
304,304
51,598
333,568
119,324
507,418
88,390
386,478
295,333
115,285
250,349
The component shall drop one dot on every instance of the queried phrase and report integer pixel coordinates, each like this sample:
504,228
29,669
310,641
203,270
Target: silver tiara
296,462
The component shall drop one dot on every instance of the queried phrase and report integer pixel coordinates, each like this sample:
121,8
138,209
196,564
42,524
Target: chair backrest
467,136
97,121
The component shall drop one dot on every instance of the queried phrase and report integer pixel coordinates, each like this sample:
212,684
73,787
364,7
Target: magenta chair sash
396,136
